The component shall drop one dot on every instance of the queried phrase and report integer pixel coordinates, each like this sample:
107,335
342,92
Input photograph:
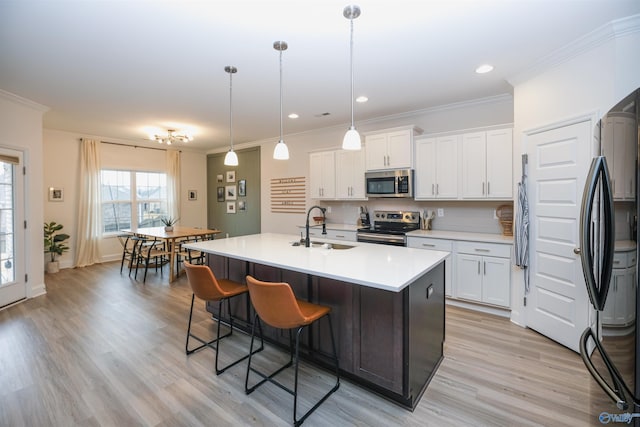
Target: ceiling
118,69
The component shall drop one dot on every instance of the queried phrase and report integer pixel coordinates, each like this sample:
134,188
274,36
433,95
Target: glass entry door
12,278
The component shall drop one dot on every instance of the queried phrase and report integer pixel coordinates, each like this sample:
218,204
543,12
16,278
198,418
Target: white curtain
173,183
89,208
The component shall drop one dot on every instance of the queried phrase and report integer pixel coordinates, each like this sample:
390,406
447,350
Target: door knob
576,251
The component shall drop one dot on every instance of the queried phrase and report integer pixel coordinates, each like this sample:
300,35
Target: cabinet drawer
624,259
428,243
480,248
341,235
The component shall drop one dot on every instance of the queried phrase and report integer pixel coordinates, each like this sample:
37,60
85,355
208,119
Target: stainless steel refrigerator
608,250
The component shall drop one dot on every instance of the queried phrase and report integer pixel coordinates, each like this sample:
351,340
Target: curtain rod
135,146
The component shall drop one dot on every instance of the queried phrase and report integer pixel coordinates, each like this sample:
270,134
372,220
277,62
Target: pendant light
281,152
351,139
231,159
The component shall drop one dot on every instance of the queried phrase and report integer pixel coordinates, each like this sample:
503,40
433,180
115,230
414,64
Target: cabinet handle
428,245
437,189
478,268
340,235
488,188
433,191
616,262
485,267
483,188
482,250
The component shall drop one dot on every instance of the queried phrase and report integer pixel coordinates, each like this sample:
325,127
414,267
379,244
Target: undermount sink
315,244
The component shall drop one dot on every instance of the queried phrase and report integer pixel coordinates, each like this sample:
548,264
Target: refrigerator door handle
616,394
597,181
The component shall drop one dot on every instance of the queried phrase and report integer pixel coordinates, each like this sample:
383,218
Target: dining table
170,237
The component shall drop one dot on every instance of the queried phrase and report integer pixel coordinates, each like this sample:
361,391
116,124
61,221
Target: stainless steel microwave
391,183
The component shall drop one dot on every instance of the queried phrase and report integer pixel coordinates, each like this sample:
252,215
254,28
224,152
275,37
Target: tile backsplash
468,216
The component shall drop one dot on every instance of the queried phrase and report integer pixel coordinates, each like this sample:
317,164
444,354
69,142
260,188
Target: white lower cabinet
483,279
437,245
475,271
620,310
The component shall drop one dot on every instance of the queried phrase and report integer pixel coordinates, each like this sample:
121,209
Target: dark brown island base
390,342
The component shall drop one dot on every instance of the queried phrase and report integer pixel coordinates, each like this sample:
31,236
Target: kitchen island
387,304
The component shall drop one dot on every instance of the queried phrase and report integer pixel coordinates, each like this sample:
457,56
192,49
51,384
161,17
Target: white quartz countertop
462,235
391,268
625,245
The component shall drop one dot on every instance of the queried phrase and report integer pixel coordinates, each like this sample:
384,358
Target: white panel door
558,304
12,260
474,176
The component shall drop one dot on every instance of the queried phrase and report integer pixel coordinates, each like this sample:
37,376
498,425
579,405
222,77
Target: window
128,197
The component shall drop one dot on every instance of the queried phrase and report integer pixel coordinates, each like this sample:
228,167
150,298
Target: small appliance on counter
364,221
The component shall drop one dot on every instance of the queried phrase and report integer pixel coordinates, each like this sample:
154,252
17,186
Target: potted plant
54,244
168,223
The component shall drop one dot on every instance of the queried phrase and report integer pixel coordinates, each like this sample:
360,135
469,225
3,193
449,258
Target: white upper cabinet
619,145
337,175
487,164
350,174
322,175
436,175
390,149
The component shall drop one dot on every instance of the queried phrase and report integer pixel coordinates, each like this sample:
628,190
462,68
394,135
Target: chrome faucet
307,242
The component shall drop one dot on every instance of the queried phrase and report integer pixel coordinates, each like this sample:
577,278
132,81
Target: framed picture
231,176
56,194
242,188
231,207
230,192
219,177
221,194
193,195
242,206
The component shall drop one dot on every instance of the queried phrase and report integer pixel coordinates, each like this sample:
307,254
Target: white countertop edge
436,257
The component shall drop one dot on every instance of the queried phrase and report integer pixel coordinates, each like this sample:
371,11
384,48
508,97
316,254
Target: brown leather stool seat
207,288
276,305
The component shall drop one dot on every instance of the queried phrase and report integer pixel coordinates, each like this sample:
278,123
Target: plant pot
53,267
168,228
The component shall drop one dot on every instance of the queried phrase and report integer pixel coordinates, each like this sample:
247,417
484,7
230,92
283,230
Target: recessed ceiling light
362,99
485,68
293,116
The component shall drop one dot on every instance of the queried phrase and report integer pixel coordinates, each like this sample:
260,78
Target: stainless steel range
390,227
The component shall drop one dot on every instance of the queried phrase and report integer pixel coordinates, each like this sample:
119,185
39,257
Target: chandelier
172,137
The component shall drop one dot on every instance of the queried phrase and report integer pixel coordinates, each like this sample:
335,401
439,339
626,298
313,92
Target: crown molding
23,101
610,31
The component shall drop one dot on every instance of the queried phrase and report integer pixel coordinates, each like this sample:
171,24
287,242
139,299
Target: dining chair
128,243
147,250
207,287
276,305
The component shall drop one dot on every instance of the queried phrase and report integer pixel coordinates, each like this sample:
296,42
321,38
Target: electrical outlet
440,212
328,209
495,214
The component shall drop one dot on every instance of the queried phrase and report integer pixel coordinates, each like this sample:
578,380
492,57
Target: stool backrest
275,303
203,282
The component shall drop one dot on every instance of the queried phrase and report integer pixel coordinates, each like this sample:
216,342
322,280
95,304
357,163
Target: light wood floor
101,349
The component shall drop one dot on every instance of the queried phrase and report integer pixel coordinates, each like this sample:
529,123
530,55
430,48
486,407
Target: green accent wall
242,222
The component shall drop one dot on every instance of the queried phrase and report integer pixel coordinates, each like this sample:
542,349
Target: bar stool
206,287
277,306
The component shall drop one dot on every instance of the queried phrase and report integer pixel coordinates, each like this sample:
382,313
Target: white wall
588,83
21,124
456,117
61,169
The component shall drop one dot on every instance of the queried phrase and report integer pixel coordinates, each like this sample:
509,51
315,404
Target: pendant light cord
351,65
231,109
280,96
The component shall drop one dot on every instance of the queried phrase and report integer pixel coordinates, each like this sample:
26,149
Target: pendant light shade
231,159
281,152
351,139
